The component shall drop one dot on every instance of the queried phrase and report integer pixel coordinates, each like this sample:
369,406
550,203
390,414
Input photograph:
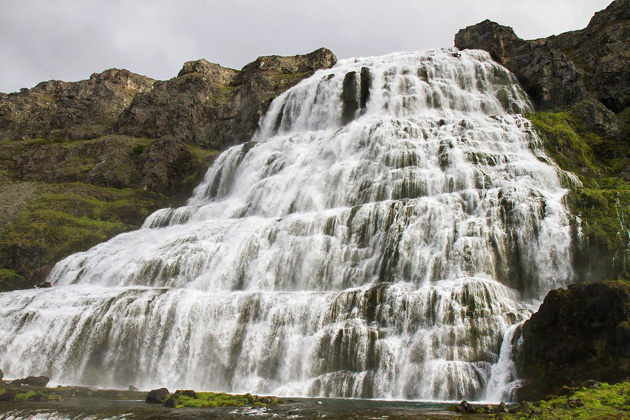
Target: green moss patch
605,402
212,399
602,205
66,219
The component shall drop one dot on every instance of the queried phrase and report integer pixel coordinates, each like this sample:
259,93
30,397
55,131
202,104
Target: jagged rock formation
579,333
70,110
206,104
83,161
560,71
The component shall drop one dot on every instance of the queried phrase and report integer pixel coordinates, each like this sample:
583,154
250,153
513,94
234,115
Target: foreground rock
157,396
580,333
34,381
560,71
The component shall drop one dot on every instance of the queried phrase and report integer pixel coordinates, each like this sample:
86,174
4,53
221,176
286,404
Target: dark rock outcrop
560,71
157,396
1,374
38,381
349,97
580,333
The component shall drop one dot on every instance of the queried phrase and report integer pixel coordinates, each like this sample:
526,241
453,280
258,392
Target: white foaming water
386,257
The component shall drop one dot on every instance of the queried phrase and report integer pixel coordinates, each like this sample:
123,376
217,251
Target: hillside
83,161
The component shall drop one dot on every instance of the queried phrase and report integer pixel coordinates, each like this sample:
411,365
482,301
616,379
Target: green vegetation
85,192
289,76
65,219
603,203
605,402
211,399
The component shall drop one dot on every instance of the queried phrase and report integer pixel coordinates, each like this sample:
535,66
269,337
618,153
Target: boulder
8,395
574,339
157,396
133,388
38,397
37,381
171,401
465,407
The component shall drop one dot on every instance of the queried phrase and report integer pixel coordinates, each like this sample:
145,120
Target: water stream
391,221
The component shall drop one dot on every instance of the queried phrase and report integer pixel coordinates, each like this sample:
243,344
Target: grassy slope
67,217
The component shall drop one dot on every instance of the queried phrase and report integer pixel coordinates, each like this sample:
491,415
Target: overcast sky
71,39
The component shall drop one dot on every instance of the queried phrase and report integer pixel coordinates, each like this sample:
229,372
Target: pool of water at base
295,408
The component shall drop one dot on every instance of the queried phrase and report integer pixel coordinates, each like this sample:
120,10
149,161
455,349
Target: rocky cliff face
83,161
70,110
560,71
206,105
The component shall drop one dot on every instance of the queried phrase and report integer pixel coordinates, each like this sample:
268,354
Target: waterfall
390,221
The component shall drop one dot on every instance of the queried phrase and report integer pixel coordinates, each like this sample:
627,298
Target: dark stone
465,407
366,84
133,388
38,398
267,400
171,402
38,381
501,408
560,71
349,97
8,395
591,384
575,338
44,285
1,374
157,396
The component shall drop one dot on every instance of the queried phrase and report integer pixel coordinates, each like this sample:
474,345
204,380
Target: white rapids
377,239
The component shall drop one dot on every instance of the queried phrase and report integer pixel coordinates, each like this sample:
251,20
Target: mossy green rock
598,153
604,402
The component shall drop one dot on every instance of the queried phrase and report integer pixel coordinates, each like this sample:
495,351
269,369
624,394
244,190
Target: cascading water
392,219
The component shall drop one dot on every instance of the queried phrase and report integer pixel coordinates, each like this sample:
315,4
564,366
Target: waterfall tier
391,220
